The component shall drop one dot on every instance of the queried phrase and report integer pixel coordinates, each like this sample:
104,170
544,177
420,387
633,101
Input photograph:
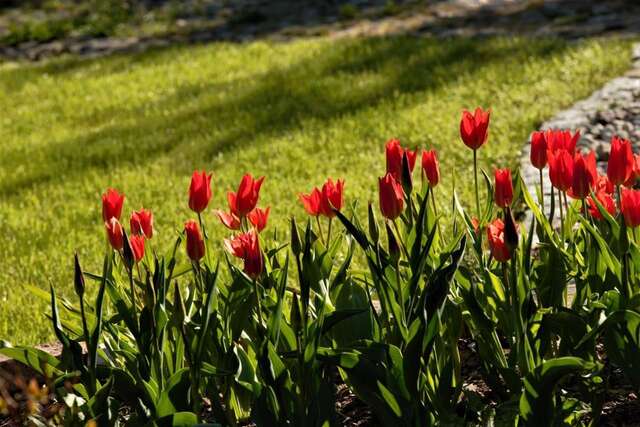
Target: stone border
582,115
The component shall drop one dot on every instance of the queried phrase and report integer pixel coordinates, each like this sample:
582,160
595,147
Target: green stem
475,181
561,215
400,241
541,191
258,304
435,212
319,229
329,233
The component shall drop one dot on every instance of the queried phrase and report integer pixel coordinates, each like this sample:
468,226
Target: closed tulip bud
137,247
474,128
247,247
295,316
78,281
636,172
114,233
391,197
503,191
510,230
311,202
561,169
394,154
199,191
112,202
246,198
195,242
127,252
374,231
497,244
621,162
585,175
394,248
331,197
141,222
431,167
605,200
539,148
258,218
630,207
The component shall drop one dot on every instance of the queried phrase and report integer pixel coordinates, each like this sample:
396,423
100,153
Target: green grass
296,112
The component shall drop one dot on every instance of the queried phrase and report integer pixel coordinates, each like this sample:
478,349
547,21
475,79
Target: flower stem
320,229
258,304
561,215
329,233
541,191
475,181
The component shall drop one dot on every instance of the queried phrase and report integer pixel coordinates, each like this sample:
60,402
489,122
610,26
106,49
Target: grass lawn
296,112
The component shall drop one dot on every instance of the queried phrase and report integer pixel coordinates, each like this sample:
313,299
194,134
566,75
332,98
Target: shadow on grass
323,87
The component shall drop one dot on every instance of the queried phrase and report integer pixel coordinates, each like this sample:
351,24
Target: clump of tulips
186,338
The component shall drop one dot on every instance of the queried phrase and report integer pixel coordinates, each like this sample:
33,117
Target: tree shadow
271,104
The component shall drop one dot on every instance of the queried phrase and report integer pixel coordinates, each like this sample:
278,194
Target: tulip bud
112,202
503,191
247,196
78,277
391,197
296,245
474,128
407,179
630,207
195,243
296,318
538,150
199,191
394,248
621,162
127,252
374,231
431,167
510,230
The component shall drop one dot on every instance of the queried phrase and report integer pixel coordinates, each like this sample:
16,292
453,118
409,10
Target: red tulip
561,140
585,175
474,128
331,197
247,247
199,191
141,222
114,233
538,150
630,207
497,245
603,184
394,154
431,167
391,197
560,169
137,246
246,199
503,194
258,217
311,201
229,220
605,200
621,161
195,242
112,202
636,172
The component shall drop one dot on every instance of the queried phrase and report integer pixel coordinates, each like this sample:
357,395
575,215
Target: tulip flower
391,197
561,169
246,198
311,201
561,140
538,152
474,128
331,197
503,191
496,238
137,246
394,153
258,218
630,207
585,175
607,202
112,202
621,161
229,220
636,172
247,247
603,184
199,191
141,222
431,167
114,233
195,242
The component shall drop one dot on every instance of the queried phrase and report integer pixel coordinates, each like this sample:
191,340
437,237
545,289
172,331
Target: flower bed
176,337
